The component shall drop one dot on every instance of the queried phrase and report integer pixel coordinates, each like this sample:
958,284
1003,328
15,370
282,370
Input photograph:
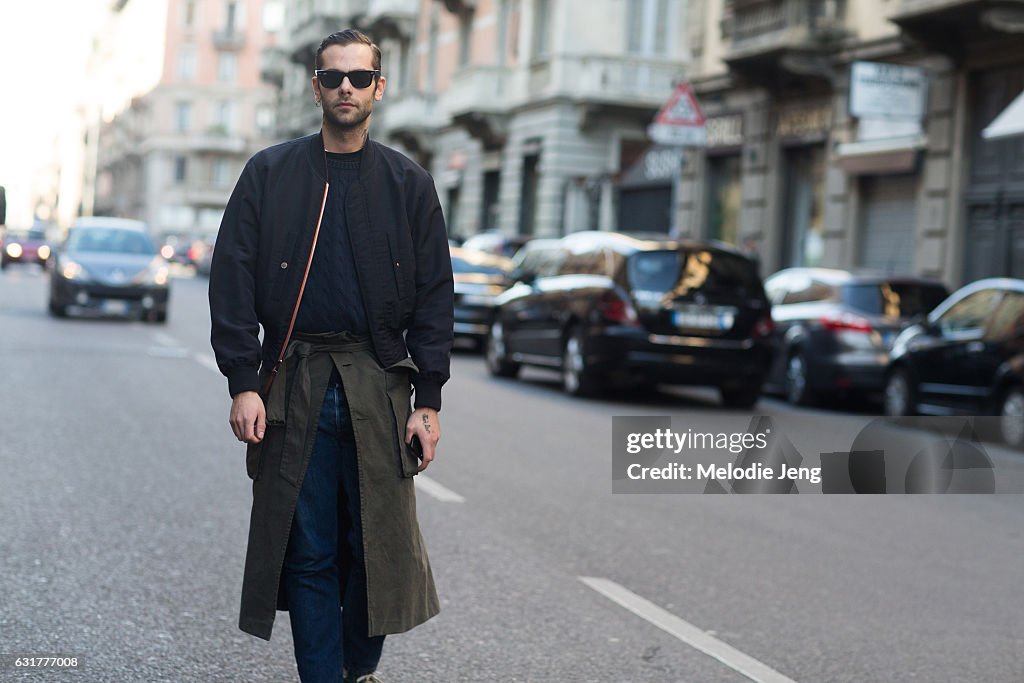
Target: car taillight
615,310
764,327
846,322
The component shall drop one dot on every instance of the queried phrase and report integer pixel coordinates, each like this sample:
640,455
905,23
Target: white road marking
164,339
432,488
686,632
207,361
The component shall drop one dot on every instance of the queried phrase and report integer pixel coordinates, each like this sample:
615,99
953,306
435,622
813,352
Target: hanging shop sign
887,91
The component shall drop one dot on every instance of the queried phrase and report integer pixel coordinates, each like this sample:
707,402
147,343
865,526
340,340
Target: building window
232,16
188,15
541,28
227,67
649,24
180,169
183,116
187,63
265,119
502,42
432,49
465,38
225,116
219,172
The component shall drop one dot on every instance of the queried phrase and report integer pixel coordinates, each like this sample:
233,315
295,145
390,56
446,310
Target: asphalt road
124,506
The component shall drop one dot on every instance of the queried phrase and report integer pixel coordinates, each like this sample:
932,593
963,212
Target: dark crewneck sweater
332,301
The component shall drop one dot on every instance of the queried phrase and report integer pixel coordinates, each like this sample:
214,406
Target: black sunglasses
332,78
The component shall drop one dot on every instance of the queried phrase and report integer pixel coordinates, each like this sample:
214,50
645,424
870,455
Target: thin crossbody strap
298,299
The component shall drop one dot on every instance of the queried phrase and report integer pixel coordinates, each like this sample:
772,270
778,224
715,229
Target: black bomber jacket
398,239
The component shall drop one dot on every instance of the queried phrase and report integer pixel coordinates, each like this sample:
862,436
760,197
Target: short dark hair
348,37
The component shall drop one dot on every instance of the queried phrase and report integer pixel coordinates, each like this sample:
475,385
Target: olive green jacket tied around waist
400,585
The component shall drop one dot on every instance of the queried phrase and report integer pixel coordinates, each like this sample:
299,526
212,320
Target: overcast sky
44,45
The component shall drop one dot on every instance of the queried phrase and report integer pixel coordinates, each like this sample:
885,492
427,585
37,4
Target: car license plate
114,307
715,318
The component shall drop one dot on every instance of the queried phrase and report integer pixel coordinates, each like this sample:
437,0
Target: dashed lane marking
685,631
432,488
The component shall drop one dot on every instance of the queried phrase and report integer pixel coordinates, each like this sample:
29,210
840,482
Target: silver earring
317,102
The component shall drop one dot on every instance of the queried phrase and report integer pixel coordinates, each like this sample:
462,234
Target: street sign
680,121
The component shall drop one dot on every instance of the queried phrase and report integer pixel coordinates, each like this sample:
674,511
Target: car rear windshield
37,235
684,271
461,265
110,240
893,299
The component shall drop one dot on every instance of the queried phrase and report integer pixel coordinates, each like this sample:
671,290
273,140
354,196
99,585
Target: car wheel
577,378
741,395
798,391
899,394
496,353
58,310
1011,417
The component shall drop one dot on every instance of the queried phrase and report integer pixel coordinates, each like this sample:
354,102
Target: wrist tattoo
426,423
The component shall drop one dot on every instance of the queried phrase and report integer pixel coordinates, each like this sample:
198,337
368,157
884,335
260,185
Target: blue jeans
324,559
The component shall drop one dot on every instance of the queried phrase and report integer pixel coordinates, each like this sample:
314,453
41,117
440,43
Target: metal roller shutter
888,215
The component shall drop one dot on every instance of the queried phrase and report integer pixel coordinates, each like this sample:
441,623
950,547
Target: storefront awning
1009,123
892,155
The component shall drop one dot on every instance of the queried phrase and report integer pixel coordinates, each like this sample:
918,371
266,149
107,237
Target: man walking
336,246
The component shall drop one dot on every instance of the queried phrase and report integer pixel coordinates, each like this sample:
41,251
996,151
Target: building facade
529,114
803,168
172,156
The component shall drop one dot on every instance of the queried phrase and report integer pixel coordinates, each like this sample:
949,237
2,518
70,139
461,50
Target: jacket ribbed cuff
428,394
243,378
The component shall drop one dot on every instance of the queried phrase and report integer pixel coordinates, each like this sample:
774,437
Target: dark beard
331,120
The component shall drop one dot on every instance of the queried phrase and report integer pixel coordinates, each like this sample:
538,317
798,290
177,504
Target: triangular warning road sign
681,109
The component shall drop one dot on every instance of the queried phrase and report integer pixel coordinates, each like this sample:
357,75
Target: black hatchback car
479,278
833,328
967,358
604,306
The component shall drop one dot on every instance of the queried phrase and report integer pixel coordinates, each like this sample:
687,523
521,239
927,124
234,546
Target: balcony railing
273,64
412,112
621,80
753,28
206,194
396,17
215,140
228,39
483,89
304,32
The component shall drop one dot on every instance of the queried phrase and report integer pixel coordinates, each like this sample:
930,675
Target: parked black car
479,278
110,266
605,306
834,328
967,358
496,242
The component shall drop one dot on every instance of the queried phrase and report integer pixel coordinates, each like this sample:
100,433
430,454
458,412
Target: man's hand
424,423
248,417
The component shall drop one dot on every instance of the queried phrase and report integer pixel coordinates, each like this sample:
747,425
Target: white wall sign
890,91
